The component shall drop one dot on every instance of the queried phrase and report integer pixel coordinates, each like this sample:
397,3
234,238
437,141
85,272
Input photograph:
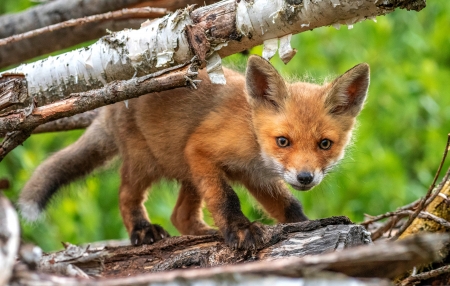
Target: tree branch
58,11
61,10
77,121
226,27
126,13
12,140
113,92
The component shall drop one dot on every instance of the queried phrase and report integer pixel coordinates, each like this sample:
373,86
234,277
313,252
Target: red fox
257,130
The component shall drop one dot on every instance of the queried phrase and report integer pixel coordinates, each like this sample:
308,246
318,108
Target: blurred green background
397,148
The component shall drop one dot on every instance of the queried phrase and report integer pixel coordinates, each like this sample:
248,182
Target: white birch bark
227,27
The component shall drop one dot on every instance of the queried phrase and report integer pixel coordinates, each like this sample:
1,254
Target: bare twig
428,197
78,121
439,220
413,280
146,12
382,216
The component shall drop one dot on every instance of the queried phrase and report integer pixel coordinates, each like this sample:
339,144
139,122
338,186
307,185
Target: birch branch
223,28
126,13
113,92
58,11
62,10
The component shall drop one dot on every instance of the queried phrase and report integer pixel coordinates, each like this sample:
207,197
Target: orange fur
208,138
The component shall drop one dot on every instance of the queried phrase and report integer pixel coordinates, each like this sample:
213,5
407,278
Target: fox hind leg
132,195
187,215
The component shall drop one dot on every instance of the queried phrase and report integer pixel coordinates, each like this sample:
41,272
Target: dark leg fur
278,201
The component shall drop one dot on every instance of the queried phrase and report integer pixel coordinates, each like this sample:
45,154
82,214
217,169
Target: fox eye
325,144
282,142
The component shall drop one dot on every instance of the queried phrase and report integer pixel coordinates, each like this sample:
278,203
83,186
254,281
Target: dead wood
18,125
9,239
306,238
12,140
227,26
382,260
13,91
145,12
77,121
41,16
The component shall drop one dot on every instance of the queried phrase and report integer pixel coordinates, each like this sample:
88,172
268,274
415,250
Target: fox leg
132,195
224,205
187,215
278,201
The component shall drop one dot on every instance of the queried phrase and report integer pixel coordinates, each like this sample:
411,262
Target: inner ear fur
348,92
263,83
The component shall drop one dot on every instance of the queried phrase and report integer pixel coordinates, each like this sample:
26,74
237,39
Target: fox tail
91,150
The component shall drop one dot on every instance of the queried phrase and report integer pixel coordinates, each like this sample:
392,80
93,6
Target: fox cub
256,130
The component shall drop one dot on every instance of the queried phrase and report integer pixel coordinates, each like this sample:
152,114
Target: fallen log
303,252
287,240
384,260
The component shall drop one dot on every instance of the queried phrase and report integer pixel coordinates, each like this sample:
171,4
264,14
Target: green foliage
397,148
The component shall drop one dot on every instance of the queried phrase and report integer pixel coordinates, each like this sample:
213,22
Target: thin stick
412,280
424,202
146,12
78,121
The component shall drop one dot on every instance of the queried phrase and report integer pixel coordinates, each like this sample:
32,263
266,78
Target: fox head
303,128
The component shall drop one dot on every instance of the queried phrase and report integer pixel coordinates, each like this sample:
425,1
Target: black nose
305,178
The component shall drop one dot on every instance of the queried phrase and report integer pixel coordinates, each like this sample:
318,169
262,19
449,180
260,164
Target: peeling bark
58,11
113,92
384,260
62,10
13,91
145,13
228,26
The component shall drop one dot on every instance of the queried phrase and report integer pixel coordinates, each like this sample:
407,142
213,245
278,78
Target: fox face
303,128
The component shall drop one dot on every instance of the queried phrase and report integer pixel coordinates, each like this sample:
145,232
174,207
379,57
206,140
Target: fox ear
264,84
349,91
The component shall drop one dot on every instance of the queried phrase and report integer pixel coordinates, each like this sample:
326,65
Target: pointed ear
349,91
264,84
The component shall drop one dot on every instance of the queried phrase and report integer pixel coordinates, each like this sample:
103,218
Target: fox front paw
248,236
147,233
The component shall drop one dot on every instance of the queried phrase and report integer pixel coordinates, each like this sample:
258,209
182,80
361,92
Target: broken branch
81,102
